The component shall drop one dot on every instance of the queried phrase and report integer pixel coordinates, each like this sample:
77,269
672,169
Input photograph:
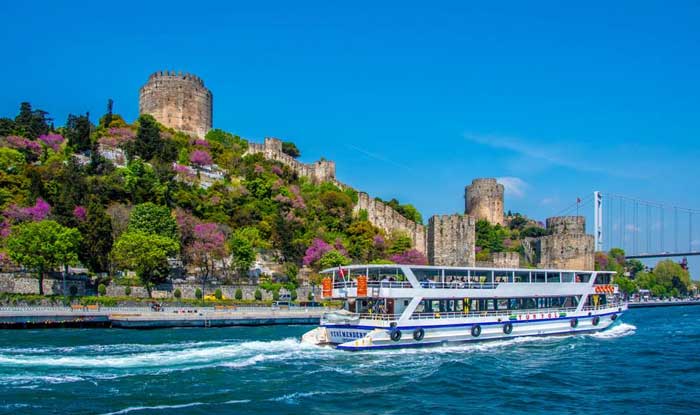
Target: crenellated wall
451,240
386,218
319,171
179,101
567,246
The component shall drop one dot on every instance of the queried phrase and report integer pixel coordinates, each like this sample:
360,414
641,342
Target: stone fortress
183,103
180,101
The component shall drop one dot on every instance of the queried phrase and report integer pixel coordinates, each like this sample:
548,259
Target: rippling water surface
647,363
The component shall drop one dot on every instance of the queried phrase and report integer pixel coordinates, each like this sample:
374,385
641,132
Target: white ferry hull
442,332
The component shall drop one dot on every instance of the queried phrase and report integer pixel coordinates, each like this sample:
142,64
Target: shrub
310,297
198,293
239,294
275,295
294,295
218,294
127,290
258,295
177,293
102,290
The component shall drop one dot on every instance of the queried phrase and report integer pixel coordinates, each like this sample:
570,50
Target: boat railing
379,316
458,285
492,313
601,307
373,284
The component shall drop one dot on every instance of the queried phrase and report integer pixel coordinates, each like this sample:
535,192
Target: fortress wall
386,218
451,240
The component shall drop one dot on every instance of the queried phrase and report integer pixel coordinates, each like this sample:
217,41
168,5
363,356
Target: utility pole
598,220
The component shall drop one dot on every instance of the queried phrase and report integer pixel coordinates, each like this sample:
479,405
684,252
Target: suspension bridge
643,228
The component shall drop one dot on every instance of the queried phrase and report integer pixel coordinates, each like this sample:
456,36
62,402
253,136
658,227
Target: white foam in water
620,330
180,406
231,355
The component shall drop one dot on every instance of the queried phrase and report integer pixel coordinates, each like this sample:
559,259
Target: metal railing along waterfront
168,309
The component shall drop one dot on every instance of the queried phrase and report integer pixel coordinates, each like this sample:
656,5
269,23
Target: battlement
387,218
318,171
566,225
179,75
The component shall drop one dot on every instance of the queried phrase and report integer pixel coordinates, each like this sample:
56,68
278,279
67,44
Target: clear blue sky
410,101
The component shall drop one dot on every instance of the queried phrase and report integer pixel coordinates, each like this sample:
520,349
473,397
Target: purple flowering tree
23,144
316,250
80,213
52,141
207,246
201,158
410,257
38,212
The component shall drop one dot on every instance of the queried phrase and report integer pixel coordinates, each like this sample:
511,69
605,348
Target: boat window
427,274
386,274
522,276
356,272
539,277
553,277
502,304
502,276
567,277
602,279
583,277
480,277
456,275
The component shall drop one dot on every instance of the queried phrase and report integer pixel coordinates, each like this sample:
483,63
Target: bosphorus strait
646,363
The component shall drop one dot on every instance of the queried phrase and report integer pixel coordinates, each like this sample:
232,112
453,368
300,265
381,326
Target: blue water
647,363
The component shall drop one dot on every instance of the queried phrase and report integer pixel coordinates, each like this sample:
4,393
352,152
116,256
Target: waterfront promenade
147,318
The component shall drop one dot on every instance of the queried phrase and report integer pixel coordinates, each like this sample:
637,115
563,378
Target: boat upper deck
415,276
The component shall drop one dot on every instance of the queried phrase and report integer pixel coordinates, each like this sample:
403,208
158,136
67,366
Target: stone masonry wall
385,217
26,284
319,171
179,101
484,200
451,240
567,246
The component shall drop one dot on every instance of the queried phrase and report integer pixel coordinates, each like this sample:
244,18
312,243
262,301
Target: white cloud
551,153
548,201
631,228
514,186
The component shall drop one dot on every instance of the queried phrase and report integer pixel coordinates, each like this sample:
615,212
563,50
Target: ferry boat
394,306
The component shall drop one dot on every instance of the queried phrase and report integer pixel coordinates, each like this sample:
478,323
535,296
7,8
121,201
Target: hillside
120,186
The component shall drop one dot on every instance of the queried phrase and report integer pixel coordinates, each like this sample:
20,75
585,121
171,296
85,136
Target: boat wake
616,331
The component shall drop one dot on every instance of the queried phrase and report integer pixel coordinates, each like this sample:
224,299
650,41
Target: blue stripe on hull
514,322
474,340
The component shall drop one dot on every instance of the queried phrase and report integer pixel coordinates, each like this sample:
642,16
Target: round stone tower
179,101
484,200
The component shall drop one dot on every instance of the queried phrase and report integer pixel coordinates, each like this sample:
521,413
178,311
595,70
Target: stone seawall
26,284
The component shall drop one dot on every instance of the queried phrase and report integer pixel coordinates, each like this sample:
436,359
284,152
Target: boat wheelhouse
407,305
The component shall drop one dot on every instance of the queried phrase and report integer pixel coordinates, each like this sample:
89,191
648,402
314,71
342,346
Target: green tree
242,252
97,238
258,295
146,254
400,243
238,295
293,294
218,294
31,123
177,293
42,246
672,276
148,142
198,293
151,218
626,285
333,258
290,149
127,290
77,132
102,290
